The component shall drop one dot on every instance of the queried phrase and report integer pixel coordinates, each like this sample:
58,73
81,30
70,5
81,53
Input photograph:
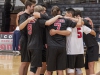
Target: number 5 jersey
74,42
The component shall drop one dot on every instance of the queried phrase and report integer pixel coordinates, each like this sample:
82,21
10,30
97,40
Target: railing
71,1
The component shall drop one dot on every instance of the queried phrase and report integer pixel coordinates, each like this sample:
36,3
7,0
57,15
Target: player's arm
17,18
70,23
49,22
93,32
87,30
24,23
52,20
78,20
61,32
74,19
79,23
46,21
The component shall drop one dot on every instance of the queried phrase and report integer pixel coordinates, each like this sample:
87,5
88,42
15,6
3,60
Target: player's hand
79,17
46,45
31,19
59,16
53,32
67,17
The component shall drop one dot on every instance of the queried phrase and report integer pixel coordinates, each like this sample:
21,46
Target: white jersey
74,42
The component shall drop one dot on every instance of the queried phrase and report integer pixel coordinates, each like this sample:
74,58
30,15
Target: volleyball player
74,47
79,55
29,5
56,50
43,69
92,52
35,40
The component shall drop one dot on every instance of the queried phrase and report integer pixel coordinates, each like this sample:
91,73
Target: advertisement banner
6,40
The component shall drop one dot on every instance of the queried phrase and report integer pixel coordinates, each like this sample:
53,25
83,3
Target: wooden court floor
9,64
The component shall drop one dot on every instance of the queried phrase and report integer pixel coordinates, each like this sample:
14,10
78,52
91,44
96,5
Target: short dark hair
29,3
78,12
43,5
71,10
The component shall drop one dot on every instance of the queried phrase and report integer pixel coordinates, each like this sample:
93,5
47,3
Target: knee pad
78,71
70,70
33,69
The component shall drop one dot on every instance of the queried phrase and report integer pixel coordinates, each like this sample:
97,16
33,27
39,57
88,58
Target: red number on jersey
79,33
58,25
29,29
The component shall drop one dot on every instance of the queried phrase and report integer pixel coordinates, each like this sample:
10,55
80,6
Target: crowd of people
56,43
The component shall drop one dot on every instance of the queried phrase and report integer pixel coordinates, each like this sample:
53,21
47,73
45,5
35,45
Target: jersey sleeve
69,29
42,22
22,18
43,16
70,23
86,30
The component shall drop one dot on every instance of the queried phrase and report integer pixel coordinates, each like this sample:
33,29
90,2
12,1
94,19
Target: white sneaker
17,53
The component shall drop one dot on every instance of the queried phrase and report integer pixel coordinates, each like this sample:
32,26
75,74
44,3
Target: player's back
35,35
57,40
74,42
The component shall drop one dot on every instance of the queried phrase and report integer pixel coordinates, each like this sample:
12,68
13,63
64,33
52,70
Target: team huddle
56,43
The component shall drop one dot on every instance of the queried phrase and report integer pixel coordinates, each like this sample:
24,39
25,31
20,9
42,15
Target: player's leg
61,60
71,64
36,62
43,69
71,71
78,71
91,67
17,42
86,63
33,70
23,69
14,41
51,60
66,65
60,72
92,58
79,64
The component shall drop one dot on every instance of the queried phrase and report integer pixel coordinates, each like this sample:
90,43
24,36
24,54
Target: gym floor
9,64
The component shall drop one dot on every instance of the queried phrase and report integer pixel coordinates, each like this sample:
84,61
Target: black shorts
44,55
56,58
35,57
92,54
75,61
24,51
